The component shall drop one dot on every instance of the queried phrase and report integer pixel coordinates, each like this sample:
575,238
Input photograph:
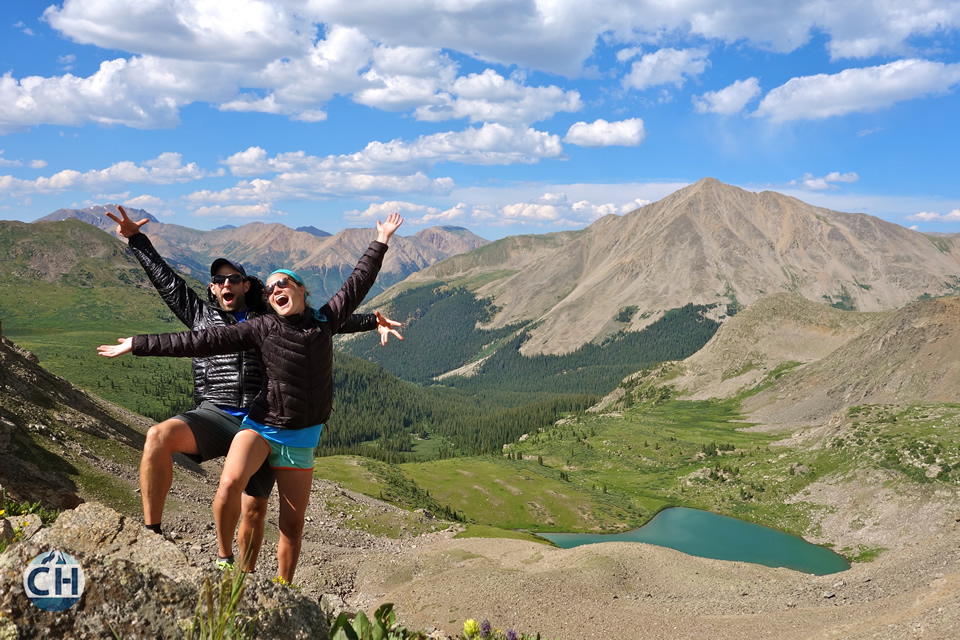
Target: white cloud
601,133
381,210
730,100
666,66
829,181
167,168
24,28
490,144
8,163
402,78
489,97
143,93
235,31
144,201
37,164
930,216
295,86
857,90
309,185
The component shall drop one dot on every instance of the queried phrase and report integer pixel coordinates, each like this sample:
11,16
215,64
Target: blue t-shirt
241,316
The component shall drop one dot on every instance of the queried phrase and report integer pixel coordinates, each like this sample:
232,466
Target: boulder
136,584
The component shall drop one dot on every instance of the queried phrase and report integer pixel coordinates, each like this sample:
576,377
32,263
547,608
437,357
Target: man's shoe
224,564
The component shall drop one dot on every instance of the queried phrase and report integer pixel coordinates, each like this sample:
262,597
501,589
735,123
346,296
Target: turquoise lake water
710,535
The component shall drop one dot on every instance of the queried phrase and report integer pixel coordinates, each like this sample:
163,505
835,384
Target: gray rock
137,584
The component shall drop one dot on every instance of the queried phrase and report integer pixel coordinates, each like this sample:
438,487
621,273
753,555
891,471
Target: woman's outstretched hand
114,350
386,326
386,229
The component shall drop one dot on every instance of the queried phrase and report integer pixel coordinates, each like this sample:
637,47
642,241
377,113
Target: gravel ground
614,590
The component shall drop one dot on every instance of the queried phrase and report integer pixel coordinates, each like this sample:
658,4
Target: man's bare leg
156,465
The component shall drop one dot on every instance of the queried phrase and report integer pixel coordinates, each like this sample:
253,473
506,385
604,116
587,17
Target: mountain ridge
322,259
708,243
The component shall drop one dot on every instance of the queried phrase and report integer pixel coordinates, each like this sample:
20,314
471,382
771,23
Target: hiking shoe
223,564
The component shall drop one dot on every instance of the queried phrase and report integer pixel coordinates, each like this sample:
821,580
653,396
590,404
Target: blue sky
502,116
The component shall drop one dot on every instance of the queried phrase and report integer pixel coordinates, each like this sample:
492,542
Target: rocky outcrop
137,585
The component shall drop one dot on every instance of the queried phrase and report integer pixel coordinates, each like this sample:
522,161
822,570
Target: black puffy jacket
296,351
232,379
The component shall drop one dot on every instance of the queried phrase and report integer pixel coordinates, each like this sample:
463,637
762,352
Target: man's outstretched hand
125,226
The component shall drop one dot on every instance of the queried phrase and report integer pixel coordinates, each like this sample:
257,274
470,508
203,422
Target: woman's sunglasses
233,278
283,283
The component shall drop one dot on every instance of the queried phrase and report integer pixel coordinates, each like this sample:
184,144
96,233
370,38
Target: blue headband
287,272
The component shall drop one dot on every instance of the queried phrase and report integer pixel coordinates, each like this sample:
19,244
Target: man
224,386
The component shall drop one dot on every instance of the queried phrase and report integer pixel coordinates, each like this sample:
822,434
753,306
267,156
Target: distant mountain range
322,259
709,243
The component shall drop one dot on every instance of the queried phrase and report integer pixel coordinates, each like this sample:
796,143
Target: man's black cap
219,262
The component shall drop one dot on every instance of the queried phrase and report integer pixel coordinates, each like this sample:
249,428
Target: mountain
709,243
96,215
324,262
908,356
772,332
320,233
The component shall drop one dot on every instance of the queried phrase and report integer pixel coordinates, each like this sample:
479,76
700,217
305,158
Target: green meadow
614,471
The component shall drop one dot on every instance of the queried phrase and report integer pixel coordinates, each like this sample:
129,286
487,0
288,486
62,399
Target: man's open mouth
228,297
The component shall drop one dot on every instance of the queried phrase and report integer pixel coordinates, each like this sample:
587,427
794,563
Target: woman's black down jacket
296,351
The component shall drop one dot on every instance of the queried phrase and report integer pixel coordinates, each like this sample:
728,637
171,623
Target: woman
295,347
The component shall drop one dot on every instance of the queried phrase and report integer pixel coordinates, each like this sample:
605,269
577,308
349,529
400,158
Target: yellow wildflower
471,628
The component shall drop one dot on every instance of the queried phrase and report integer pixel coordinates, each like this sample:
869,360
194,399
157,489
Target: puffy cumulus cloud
729,100
167,168
402,78
142,93
381,210
295,86
555,209
143,201
857,90
864,28
310,185
600,133
560,36
489,97
235,31
930,216
829,181
549,210
490,144
666,66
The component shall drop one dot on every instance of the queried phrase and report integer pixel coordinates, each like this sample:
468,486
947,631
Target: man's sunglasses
233,278
283,283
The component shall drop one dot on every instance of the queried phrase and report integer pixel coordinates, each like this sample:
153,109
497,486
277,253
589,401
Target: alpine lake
710,535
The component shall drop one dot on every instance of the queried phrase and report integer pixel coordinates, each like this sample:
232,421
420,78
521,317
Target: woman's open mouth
281,299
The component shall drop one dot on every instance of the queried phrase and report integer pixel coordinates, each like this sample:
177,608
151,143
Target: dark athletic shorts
213,430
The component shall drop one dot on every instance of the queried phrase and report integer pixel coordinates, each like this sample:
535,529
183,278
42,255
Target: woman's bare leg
293,486
246,454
